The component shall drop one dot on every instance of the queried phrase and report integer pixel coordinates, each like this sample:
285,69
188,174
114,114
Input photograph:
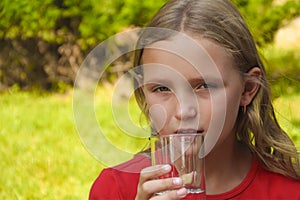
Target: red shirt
121,182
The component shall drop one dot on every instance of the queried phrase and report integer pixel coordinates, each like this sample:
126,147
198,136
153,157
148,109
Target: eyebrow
156,80
191,81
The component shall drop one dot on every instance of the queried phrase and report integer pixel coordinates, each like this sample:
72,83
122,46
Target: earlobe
252,85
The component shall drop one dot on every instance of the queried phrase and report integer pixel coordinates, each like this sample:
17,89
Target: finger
172,195
160,185
148,174
152,172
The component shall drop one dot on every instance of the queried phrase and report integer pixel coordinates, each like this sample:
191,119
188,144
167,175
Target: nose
186,111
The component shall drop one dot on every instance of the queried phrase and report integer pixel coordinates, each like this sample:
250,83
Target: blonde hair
221,22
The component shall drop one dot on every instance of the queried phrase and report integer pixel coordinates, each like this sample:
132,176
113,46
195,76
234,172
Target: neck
226,166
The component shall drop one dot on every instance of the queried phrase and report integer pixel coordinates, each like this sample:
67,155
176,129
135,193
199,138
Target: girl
199,71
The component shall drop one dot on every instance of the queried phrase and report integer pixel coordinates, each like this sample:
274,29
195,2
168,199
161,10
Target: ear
251,86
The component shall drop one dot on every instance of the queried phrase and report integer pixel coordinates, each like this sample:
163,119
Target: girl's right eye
161,89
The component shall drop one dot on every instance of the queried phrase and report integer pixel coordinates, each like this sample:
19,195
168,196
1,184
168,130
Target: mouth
185,131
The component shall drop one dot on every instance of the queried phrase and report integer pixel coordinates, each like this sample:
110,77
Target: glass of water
185,153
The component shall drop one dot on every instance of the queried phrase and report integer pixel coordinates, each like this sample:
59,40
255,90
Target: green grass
287,110
42,156
283,70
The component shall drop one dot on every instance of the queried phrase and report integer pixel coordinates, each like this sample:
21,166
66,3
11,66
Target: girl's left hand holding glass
149,184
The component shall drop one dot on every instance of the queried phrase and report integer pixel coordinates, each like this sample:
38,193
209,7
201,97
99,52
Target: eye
161,89
204,86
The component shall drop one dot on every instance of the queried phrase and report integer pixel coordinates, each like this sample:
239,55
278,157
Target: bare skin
228,163
148,186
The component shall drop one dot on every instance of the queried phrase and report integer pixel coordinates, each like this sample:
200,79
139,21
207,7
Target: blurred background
42,45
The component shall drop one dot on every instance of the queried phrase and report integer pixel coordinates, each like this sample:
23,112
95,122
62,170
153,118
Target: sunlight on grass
42,156
287,110
108,128
124,118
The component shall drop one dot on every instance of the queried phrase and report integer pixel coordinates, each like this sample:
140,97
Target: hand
149,184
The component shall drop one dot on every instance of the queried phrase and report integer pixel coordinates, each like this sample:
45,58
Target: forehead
184,54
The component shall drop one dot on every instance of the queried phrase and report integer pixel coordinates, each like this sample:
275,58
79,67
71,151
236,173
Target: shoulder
277,180
122,171
262,184
276,186
135,165
108,183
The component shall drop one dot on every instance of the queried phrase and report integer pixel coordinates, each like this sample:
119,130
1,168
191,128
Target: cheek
223,112
218,110
205,109
225,106
158,116
232,109
233,105
160,112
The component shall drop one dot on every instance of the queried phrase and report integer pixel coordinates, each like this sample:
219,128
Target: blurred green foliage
265,17
88,22
43,43
92,21
283,70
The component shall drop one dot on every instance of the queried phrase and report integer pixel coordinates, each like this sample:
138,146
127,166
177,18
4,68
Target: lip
188,131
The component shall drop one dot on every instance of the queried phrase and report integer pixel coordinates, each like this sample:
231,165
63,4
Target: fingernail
177,181
181,192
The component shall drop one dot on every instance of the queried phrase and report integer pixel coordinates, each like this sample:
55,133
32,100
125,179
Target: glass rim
179,135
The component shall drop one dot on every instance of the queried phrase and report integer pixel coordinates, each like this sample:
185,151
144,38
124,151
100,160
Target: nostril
188,113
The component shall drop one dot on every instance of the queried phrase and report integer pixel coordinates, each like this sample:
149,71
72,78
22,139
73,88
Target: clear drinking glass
185,153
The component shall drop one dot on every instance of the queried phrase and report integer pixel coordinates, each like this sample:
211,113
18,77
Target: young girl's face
191,87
